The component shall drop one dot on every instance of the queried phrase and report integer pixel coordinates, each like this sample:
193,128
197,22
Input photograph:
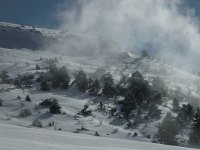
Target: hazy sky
42,12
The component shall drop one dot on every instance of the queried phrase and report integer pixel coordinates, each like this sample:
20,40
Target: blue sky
41,12
30,12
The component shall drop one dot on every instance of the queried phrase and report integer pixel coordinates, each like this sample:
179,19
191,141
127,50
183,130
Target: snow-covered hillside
14,137
17,58
20,36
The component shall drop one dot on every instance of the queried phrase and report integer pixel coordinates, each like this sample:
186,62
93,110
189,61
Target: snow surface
14,138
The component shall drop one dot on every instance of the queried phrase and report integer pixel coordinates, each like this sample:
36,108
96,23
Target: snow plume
163,27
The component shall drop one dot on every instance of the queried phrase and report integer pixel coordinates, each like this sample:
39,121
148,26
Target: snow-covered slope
20,36
19,61
20,138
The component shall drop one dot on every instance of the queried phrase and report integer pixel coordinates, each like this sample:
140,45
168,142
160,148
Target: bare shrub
25,113
115,131
37,123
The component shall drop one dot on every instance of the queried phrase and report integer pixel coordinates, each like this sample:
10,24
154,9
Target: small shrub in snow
8,116
85,112
64,113
96,134
148,136
1,101
18,97
37,123
83,128
113,111
25,113
46,103
50,124
28,99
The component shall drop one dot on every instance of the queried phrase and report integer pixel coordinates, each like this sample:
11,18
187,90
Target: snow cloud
163,27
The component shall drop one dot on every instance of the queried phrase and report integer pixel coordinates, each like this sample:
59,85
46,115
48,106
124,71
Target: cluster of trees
60,78
81,81
109,89
49,63
5,79
52,104
20,81
140,96
55,78
187,119
167,131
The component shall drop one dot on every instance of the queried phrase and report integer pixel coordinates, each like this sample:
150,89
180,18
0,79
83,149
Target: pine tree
139,88
81,81
107,78
195,131
159,85
176,105
37,67
94,88
44,86
167,131
154,112
96,134
144,54
122,86
185,116
55,107
64,78
109,90
60,77
4,77
128,105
